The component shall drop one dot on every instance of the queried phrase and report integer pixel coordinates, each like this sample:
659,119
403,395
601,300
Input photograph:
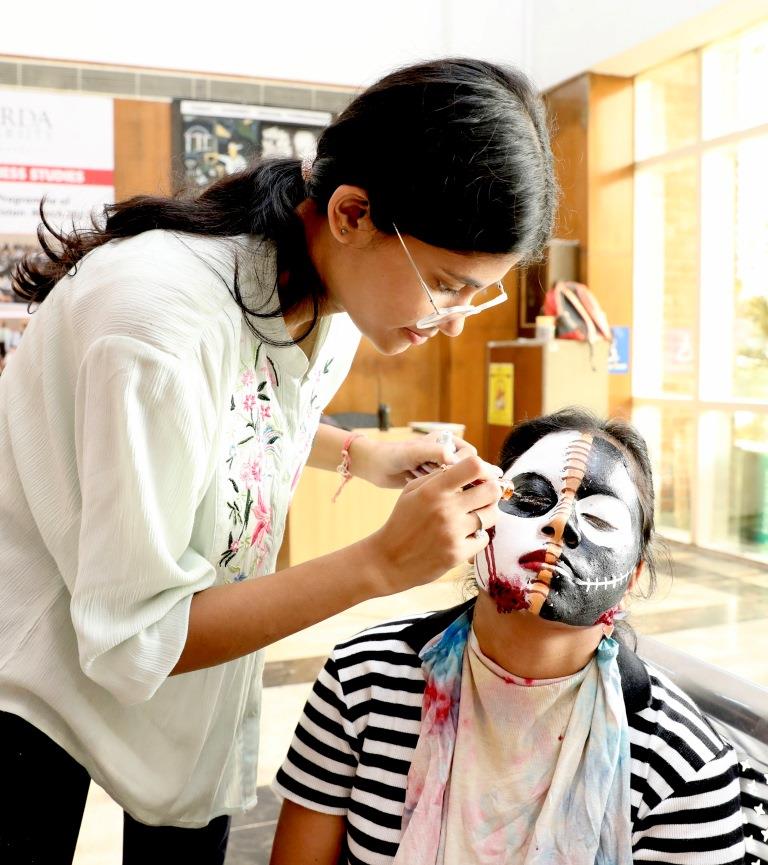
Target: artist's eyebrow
464,280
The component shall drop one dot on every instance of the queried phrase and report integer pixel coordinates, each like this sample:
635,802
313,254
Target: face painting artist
517,728
157,417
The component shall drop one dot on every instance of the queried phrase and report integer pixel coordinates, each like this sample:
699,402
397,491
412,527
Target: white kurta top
149,448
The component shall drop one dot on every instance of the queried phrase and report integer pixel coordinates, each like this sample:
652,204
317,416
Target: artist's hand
393,464
435,523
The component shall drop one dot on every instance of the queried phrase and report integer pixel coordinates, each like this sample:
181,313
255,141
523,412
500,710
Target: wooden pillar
142,148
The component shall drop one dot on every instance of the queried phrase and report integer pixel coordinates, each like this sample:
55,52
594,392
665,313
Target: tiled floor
711,607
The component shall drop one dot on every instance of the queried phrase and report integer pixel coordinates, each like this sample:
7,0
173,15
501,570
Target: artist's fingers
471,471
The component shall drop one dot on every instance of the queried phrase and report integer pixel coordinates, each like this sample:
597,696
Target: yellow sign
501,389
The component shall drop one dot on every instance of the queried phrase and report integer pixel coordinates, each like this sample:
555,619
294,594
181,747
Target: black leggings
45,793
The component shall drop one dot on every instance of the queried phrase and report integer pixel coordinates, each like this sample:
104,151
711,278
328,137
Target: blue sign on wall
618,358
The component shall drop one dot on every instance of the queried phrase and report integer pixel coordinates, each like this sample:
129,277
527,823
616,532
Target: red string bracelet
344,468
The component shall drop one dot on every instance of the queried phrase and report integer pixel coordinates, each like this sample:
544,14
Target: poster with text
56,145
219,138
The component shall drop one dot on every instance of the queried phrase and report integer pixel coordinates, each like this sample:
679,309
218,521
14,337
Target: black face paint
600,573
568,539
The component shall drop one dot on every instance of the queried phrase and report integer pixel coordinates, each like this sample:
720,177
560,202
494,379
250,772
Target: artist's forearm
326,449
232,620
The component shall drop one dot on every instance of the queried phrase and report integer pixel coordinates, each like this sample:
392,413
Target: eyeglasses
441,315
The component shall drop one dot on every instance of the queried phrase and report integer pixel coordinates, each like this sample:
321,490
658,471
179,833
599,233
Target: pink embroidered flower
248,378
265,410
234,546
262,522
250,473
249,401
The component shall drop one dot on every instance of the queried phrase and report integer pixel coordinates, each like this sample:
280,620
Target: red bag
578,314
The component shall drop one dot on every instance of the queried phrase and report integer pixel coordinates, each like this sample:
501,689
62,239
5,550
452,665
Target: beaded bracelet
344,468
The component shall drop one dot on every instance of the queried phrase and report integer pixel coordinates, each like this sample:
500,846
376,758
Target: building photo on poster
213,139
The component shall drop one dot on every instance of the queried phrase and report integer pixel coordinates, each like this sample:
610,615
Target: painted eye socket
534,496
606,520
602,525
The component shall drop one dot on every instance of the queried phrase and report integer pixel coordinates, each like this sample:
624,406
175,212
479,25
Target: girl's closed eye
599,523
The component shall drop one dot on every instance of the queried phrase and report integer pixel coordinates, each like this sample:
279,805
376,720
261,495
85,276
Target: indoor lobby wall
592,120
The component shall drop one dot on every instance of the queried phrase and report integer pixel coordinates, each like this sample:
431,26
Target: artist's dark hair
634,451
455,152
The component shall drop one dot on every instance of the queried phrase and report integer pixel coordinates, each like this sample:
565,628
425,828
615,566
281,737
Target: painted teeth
602,584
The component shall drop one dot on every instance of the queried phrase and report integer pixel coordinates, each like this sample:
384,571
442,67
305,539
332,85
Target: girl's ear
633,580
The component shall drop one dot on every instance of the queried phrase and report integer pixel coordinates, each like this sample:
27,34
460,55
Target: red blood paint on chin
509,597
607,617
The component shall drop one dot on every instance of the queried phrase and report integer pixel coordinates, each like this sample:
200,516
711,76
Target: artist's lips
415,336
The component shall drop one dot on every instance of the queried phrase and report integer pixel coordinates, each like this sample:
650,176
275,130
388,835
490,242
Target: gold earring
343,230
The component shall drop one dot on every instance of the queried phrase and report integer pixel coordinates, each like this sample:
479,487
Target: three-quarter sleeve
144,426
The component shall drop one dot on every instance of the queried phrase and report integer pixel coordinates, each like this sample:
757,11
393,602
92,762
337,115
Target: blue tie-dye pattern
586,816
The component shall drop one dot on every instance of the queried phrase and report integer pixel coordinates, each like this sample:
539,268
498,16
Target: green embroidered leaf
273,439
237,489
274,370
261,387
264,397
256,359
247,509
232,403
327,366
245,441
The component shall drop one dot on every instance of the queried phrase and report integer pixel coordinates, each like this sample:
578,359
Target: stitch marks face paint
568,540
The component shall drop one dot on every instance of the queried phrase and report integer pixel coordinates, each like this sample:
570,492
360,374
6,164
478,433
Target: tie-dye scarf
589,793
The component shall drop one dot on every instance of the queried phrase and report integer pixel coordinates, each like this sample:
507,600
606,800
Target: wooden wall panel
465,384
610,211
568,107
410,383
593,145
142,148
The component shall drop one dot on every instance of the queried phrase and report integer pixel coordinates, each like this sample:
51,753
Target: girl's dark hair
455,152
633,448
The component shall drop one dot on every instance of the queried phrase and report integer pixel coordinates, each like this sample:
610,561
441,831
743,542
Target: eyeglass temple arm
416,269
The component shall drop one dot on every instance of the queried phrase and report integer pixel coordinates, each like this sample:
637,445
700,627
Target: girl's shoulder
673,729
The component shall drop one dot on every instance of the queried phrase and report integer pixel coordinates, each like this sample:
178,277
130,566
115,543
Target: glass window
733,480
669,433
734,76
667,107
734,274
666,278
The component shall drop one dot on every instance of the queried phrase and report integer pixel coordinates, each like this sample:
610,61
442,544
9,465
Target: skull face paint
567,540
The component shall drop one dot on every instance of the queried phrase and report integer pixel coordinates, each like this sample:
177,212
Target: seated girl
516,728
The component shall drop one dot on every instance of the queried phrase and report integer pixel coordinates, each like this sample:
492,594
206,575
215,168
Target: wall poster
218,138
53,145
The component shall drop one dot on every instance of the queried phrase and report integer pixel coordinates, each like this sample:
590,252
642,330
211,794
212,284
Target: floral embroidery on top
263,458
251,469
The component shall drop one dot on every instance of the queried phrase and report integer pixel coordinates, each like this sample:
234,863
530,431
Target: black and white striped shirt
355,741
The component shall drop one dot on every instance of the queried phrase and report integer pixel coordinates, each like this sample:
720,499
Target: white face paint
589,571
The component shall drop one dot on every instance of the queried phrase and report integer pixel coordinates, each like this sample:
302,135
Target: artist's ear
349,216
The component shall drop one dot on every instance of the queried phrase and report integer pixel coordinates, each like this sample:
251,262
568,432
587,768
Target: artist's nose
452,326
